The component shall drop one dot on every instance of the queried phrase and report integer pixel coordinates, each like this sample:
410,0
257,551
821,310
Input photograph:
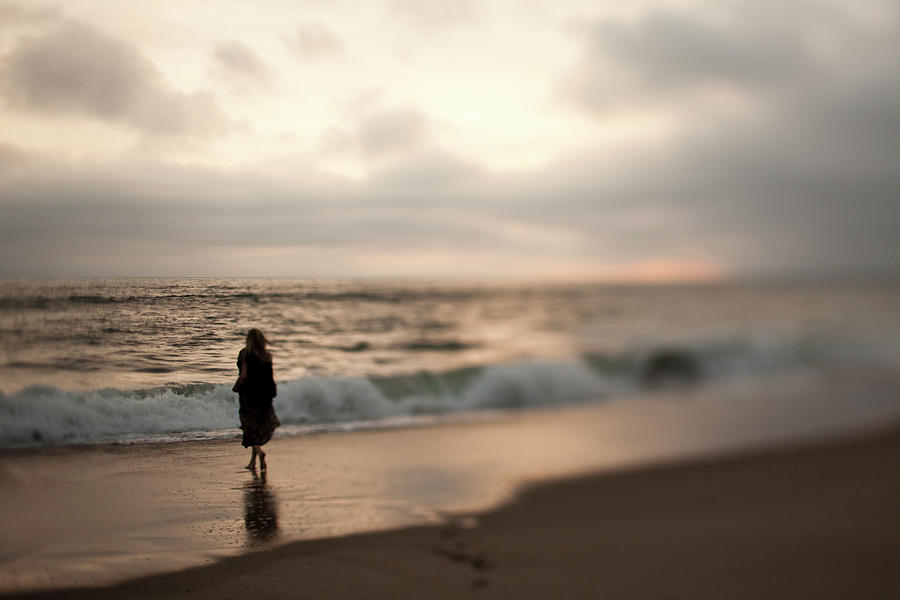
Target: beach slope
813,520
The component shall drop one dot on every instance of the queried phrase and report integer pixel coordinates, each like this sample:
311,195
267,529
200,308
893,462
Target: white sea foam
42,415
48,415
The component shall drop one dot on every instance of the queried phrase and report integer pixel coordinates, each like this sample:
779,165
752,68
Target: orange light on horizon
674,271
654,271
456,264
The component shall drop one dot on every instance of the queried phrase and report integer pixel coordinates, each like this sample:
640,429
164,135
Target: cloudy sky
569,139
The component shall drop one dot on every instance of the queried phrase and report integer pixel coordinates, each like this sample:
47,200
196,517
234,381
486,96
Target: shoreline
101,515
811,520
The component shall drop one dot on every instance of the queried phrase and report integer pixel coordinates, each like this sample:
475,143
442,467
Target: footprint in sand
458,551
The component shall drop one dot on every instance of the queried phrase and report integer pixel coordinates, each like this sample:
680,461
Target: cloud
311,41
808,185
78,69
79,218
750,202
426,174
668,49
798,177
12,158
668,56
392,131
14,13
435,15
380,136
235,60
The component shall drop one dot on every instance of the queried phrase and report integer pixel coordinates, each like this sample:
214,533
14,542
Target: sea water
153,360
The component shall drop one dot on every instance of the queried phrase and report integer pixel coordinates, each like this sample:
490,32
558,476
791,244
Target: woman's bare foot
254,451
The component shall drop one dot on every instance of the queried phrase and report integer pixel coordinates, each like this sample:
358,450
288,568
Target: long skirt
258,421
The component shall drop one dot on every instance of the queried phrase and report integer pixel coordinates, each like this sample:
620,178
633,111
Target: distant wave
389,296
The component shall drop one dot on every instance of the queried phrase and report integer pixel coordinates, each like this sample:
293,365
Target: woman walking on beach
256,386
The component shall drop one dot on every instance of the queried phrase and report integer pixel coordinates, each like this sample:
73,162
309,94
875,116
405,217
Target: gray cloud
433,15
238,61
15,13
803,178
78,69
314,41
12,158
804,181
84,216
427,174
669,49
801,190
749,47
759,200
392,131
390,140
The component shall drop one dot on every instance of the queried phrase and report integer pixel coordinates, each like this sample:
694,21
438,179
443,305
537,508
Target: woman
256,386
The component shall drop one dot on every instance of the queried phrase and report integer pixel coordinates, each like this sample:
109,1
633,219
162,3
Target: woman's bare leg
262,457
252,464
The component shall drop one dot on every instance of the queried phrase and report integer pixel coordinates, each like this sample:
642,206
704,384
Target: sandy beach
673,496
821,521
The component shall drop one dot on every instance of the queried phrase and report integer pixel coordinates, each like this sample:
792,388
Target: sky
597,140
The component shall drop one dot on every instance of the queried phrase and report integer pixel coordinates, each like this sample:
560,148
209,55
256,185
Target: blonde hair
256,343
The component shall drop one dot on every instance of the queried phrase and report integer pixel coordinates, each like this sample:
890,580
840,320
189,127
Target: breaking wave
47,415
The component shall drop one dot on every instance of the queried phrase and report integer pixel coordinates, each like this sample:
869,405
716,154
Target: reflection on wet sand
260,511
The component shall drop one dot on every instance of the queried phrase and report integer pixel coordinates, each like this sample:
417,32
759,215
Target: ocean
140,360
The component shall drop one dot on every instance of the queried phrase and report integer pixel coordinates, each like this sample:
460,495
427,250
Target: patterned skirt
258,422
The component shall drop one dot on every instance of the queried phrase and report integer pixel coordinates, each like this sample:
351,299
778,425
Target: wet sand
816,522
811,519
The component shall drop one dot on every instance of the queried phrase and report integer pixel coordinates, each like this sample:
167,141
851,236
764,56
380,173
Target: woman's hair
256,343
